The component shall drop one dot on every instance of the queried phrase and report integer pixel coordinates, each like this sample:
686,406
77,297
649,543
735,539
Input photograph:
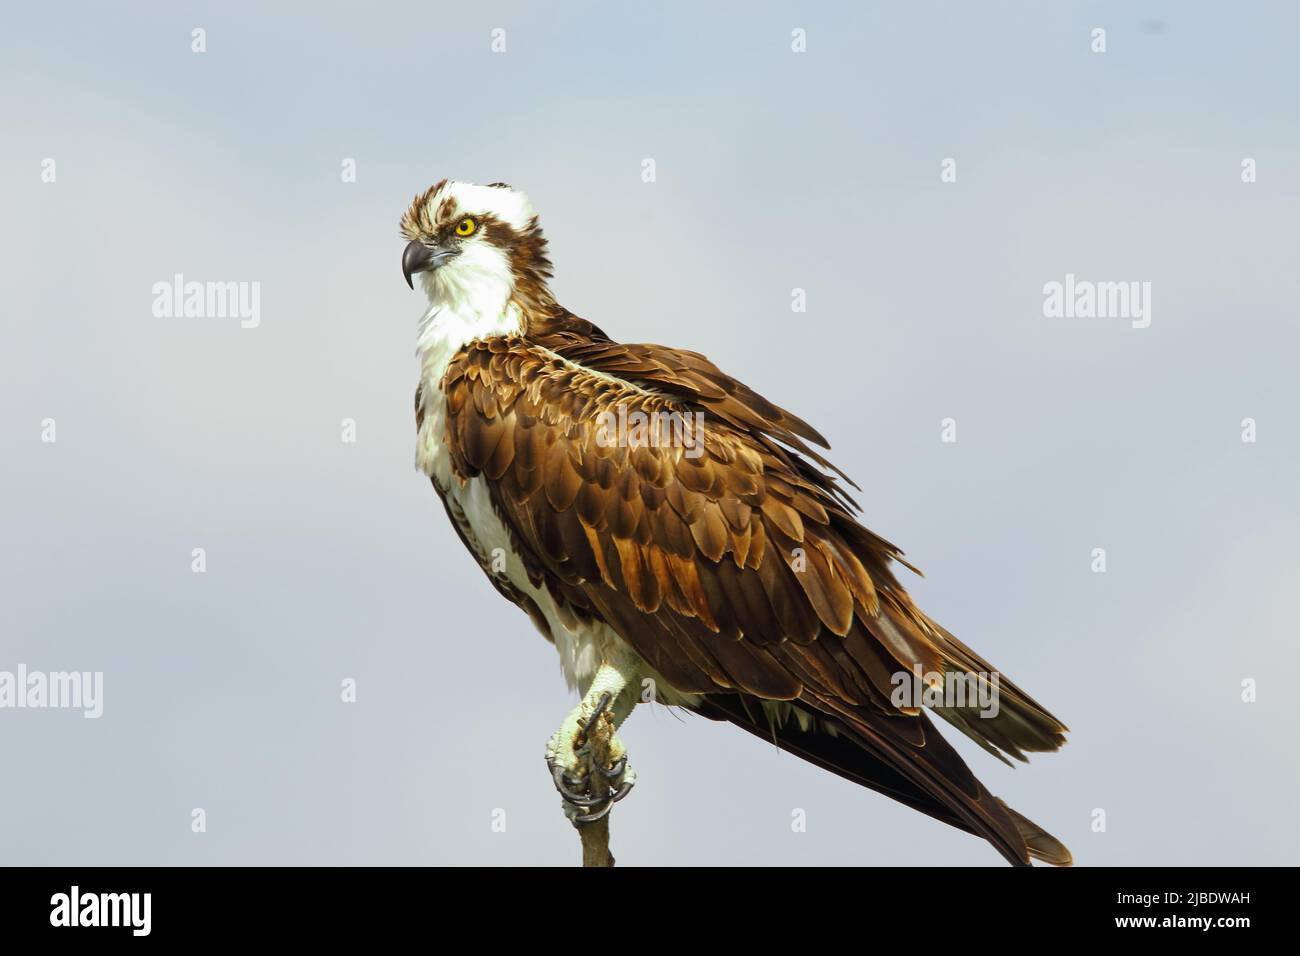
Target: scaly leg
589,792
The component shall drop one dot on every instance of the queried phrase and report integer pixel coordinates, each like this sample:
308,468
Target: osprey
666,527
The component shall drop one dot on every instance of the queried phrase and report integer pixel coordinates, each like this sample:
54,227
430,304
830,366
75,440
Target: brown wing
727,561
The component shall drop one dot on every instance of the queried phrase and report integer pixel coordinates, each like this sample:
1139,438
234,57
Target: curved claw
560,778
573,779
623,791
595,713
583,818
614,770
573,788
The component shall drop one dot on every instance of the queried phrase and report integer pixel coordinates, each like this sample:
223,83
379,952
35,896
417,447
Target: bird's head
476,246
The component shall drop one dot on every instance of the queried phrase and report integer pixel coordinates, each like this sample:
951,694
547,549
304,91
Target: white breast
582,647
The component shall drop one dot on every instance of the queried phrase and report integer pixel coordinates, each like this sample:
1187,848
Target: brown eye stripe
526,248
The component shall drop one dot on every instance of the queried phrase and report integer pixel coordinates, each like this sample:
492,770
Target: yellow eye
466,227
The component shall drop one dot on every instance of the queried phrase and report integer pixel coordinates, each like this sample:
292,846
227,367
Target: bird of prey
717,562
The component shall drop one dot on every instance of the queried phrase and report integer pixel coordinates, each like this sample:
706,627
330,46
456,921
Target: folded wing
727,555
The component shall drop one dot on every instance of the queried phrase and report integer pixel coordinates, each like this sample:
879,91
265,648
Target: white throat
443,331
466,302
462,307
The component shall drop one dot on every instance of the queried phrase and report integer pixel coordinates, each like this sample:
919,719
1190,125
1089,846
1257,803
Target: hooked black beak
421,258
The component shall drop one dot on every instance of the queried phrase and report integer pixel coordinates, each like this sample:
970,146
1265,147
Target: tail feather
1021,724
904,758
1041,844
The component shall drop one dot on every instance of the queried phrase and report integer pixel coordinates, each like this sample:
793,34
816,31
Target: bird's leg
588,762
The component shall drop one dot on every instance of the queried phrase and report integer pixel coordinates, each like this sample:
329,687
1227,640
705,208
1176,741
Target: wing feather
737,568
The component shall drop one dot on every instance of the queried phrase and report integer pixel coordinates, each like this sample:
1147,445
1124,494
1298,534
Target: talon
595,713
587,790
563,780
582,819
614,770
623,791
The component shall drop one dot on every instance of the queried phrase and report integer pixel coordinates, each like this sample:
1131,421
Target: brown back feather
740,570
